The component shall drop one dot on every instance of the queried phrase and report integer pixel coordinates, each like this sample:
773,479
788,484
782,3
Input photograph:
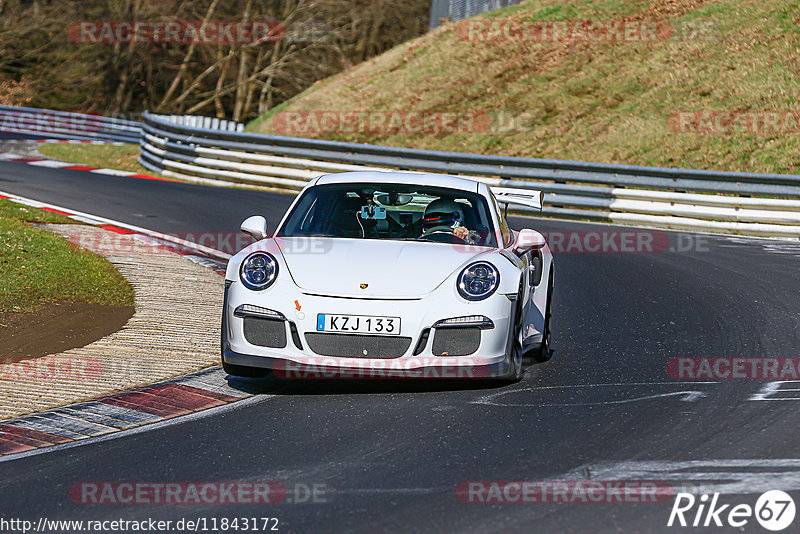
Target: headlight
258,271
478,281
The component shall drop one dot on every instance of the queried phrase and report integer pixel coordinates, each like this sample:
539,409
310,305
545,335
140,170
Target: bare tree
314,39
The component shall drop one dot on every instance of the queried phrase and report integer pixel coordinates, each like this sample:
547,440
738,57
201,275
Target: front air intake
358,346
456,341
269,333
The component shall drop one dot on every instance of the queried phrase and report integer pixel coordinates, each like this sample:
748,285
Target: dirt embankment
58,327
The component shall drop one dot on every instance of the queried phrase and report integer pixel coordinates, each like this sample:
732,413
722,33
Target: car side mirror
255,227
529,240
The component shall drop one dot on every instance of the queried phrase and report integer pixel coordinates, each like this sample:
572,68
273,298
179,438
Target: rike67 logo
774,510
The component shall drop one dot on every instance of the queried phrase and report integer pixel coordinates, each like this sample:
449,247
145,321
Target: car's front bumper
297,356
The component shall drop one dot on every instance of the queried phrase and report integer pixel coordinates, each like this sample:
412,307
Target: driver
444,216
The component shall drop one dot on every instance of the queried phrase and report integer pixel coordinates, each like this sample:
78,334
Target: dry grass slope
605,102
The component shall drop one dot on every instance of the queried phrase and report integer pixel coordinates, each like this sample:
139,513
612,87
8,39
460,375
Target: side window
506,233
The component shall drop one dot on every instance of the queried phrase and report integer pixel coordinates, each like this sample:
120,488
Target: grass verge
38,267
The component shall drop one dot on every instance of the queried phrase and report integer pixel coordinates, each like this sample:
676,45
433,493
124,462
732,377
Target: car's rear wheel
542,354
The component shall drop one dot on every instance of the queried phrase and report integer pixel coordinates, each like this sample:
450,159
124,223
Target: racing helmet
442,215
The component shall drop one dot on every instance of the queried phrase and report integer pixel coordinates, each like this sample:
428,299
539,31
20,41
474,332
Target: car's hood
390,269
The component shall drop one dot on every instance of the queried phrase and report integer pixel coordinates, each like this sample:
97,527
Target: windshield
393,212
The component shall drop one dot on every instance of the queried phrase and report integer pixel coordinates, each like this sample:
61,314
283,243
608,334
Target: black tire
246,372
543,353
516,371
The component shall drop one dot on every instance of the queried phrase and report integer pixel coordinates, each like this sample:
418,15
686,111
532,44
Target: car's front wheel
542,354
514,373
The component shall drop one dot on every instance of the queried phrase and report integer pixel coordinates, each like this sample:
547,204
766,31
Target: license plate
358,324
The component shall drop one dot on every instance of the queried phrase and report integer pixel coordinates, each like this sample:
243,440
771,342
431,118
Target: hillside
703,84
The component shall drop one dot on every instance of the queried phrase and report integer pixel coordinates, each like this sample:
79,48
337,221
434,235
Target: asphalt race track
388,456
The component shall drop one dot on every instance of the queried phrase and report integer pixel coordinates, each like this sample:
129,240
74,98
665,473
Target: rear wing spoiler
519,197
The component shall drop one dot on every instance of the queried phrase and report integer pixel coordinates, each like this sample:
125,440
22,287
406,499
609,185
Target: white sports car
390,274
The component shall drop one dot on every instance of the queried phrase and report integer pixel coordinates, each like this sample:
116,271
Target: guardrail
203,148
51,124
208,123
453,10
725,202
